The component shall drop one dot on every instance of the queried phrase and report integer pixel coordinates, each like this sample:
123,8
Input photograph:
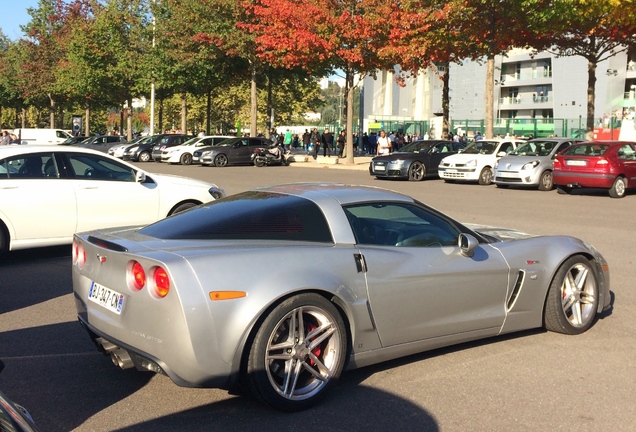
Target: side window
626,152
93,167
506,147
562,147
399,224
31,166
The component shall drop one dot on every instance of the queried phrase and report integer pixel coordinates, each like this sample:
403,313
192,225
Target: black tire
144,157
417,171
545,181
220,160
260,162
186,159
572,300
4,241
619,188
182,207
285,382
485,176
563,190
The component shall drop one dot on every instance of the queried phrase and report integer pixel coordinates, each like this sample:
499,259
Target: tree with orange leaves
323,35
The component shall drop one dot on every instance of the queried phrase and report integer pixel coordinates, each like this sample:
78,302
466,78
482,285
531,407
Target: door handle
361,264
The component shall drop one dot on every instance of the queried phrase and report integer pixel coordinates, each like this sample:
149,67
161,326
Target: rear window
591,149
247,216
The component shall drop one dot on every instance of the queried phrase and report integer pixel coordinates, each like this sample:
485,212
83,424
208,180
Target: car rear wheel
144,156
417,171
485,176
186,159
545,182
220,160
572,299
619,188
298,353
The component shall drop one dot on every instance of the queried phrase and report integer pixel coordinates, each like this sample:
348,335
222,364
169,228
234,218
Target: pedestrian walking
315,140
384,144
327,142
342,139
306,141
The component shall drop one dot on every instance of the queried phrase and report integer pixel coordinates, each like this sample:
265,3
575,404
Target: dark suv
142,151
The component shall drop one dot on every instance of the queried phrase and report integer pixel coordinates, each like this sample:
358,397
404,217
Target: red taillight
162,282
557,163
602,162
138,279
79,254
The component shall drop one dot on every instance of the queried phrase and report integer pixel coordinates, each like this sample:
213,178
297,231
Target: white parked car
531,164
47,193
182,154
41,136
477,160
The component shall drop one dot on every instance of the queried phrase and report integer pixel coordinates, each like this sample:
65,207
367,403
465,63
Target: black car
415,161
142,151
231,151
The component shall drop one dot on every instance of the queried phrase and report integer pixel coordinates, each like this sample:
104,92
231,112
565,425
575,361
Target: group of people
9,138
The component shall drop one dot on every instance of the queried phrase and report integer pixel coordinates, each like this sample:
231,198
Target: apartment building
534,88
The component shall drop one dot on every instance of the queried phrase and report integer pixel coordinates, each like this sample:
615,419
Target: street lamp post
611,73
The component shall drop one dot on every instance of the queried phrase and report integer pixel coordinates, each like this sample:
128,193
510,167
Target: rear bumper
592,180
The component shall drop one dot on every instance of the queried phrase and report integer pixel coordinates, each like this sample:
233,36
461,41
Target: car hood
516,162
465,157
501,234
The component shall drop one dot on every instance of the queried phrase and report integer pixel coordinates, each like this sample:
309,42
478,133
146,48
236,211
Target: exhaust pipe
119,356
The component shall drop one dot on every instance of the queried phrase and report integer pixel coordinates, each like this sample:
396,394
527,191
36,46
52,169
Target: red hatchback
597,164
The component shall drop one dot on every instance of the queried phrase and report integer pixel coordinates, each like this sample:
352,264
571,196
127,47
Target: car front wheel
417,172
298,353
186,159
220,160
572,299
144,157
619,188
545,182
485,176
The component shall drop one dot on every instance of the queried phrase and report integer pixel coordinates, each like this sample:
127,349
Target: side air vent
516,289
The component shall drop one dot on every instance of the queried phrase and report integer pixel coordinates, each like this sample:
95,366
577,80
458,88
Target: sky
14,14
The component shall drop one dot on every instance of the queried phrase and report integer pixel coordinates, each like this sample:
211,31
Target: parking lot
535,381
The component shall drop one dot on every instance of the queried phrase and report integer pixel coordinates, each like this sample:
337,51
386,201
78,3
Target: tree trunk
268,118
446,101
349,160
591,84
490,88
184,112
23,116
129,116
87,109
208,113
253,102
52,112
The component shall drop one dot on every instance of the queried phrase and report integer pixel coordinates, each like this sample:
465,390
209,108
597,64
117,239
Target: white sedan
476,162
182,154
49,193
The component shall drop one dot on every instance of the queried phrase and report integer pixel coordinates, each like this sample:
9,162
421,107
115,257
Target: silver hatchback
531,164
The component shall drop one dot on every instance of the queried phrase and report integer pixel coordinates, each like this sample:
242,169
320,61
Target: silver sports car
277,290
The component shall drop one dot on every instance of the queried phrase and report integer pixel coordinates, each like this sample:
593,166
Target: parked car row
544,163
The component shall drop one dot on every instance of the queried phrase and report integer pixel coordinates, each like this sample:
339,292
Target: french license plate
380,168
507,174
576,162
195,159
106,297
450,170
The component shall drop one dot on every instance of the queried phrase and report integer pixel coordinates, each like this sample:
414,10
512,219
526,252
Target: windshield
534,148
191,141
590,149
416,147
481,147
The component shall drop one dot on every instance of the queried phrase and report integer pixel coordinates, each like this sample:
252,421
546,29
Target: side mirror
467,244
140,177
501,154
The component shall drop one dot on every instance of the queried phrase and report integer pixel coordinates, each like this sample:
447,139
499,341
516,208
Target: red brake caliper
316,351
